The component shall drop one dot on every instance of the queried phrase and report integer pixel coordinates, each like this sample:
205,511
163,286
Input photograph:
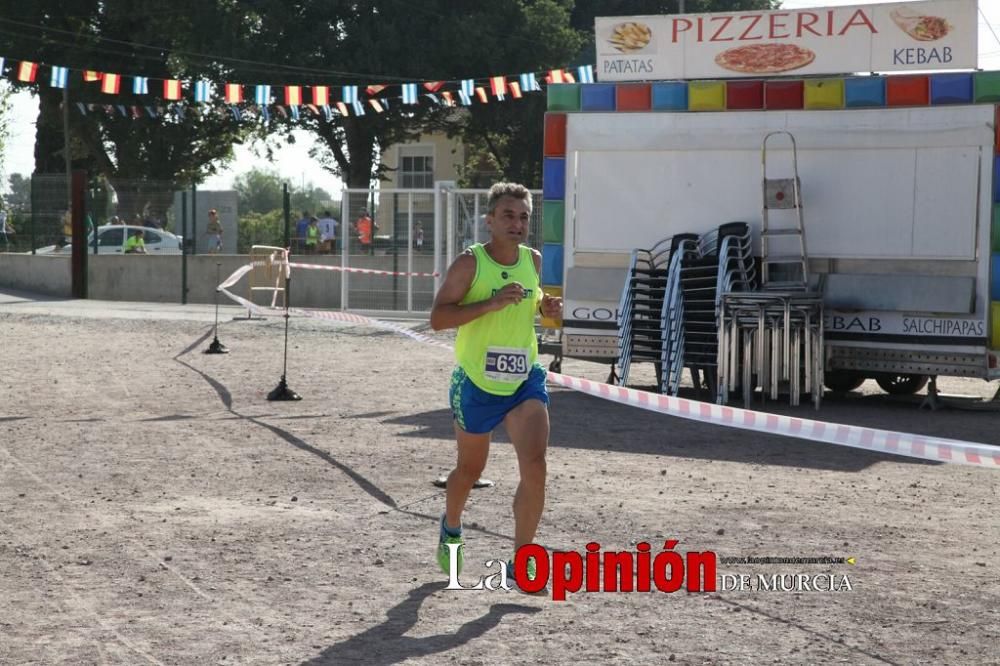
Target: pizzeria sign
936,34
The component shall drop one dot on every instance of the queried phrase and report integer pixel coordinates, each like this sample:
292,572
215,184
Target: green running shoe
444,553
532,570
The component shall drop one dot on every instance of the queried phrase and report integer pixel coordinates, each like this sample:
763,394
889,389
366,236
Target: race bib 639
507,364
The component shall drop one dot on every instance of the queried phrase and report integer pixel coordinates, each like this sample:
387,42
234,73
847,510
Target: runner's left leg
528,427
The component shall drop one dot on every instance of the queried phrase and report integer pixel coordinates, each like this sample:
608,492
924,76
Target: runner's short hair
500,190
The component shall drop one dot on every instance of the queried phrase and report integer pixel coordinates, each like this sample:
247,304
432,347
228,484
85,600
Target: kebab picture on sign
921,27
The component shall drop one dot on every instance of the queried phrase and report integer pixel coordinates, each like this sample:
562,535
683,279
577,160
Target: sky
293,163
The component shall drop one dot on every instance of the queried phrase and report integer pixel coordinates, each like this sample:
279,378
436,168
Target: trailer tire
901,384
842,381
556,365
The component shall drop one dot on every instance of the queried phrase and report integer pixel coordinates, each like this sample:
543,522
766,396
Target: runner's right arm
447,311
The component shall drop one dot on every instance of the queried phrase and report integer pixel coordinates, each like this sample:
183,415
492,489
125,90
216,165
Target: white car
111,240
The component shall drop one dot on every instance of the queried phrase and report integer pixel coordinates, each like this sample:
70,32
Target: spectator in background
312,235
328,233
214,232
365,228
300,230
67,229
418,237
135,244
6,230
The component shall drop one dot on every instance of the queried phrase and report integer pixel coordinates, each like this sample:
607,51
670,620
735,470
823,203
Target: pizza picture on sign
765,58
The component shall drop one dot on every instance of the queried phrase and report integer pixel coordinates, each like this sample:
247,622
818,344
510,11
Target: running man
491,294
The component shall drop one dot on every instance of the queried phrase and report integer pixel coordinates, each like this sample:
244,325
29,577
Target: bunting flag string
111,84
435,92
60,77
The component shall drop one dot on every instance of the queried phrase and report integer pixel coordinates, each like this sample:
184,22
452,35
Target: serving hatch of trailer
899,177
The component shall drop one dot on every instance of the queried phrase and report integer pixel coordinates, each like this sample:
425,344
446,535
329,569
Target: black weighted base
216,347
282,392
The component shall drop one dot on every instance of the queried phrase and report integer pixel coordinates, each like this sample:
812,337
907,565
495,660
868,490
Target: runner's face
509,220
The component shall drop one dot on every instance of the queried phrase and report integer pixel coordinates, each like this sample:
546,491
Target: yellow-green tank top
498,350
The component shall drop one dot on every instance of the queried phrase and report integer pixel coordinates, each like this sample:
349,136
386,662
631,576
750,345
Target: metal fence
44,226
399,237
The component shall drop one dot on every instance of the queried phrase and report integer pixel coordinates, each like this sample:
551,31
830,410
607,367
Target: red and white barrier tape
369,271
924,447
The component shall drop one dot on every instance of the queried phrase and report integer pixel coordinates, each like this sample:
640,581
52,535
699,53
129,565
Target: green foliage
117,36
5,93
19,197
508,137
260,229
261,191
258,191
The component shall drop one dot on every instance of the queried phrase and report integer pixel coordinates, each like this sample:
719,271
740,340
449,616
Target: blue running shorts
479,412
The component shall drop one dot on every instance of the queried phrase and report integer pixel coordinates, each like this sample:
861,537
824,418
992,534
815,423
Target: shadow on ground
387,643
606,426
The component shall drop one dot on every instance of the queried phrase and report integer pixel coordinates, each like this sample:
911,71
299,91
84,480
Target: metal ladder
786,272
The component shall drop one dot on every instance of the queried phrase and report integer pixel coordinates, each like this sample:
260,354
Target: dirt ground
155,508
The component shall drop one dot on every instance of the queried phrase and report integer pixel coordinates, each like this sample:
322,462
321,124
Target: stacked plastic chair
640,306
717,262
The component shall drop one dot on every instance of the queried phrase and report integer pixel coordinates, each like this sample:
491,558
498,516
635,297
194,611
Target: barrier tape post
217,347
281,392
923,447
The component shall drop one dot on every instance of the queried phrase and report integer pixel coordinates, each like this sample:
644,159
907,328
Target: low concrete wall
159,279
37,273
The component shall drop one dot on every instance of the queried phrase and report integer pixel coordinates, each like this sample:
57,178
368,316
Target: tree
139,156
509,136
258,191
392,42
19,198
5,93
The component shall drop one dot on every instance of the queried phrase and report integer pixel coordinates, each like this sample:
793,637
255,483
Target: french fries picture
630,36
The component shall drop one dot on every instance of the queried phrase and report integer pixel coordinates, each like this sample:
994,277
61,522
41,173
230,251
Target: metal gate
407,235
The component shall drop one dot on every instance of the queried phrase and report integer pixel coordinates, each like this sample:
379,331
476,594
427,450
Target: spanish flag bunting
90,75
375,89
171,89
343,109
111,84
293,95
515,90
433,86
481,94
449,99
376,105
498,86
321,95
559,76
234,93
27,71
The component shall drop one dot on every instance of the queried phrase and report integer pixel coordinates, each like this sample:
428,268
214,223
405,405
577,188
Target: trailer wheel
901,384
842,381
556,365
